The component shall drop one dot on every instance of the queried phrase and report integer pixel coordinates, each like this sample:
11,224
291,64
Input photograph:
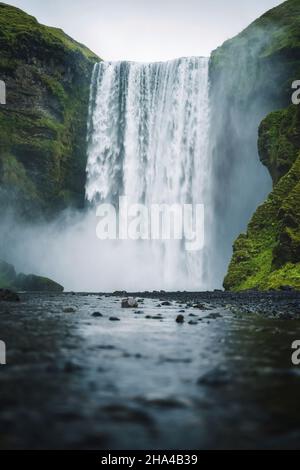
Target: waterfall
148,133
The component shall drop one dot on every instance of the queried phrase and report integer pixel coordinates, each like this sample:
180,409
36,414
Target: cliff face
268,254
43,124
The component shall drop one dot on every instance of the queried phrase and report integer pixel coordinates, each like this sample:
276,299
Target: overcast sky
148,30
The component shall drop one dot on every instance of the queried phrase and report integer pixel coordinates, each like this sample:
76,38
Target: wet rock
114,319
166,304
121,413
199,306
193,322
214,316
215,378
175,360
7,295
286,288
181,311
69,310
139,312
71,366
165,403
129,302
97,315
118,293
180,319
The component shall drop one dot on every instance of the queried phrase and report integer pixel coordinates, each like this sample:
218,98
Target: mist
68,251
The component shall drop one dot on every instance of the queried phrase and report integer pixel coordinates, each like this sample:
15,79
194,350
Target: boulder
69,310
129,302
7,295
180,319
97,315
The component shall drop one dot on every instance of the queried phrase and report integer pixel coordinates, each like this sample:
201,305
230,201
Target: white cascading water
148,140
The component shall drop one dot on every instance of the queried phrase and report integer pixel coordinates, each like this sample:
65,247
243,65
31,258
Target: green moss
56,88
14,175
43,124
268,256
17,26
279,141
33,283
289,274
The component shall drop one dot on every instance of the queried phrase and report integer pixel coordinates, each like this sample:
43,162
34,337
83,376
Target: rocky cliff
268,254
43,124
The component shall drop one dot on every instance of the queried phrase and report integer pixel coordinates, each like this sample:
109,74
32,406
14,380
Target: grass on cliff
16,26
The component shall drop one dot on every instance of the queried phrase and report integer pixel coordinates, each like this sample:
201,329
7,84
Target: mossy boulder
32,283
43,124
25,282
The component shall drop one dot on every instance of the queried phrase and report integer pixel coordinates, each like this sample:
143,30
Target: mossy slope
268,255
43,124
9,279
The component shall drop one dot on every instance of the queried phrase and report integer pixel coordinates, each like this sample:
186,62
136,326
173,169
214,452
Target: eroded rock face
43,123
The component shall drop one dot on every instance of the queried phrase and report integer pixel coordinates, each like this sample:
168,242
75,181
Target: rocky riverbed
84,373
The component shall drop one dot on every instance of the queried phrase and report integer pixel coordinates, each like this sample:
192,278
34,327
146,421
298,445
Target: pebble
69,310
97,315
